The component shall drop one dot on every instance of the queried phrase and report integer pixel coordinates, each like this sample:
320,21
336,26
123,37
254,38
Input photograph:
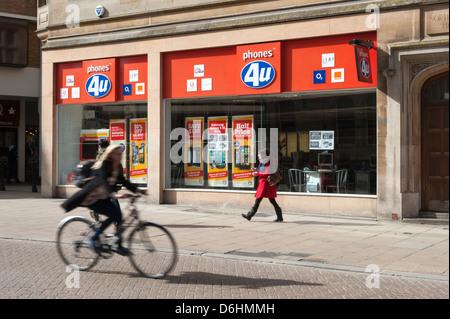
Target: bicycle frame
156,264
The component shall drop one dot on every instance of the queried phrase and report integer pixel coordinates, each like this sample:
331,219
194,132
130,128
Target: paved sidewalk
343,243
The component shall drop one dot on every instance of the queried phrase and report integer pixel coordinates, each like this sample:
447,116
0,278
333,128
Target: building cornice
233,22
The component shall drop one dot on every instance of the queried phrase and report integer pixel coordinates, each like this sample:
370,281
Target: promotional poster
138,151
243,151
193,164
217,151
117,130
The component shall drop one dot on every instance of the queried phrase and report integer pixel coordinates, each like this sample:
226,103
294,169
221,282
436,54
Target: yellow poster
217,151
193,163
138,151
243,151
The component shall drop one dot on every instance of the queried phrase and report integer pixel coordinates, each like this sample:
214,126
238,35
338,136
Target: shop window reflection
350,117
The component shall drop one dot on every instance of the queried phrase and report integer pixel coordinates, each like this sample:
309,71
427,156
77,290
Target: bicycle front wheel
72,243
153,250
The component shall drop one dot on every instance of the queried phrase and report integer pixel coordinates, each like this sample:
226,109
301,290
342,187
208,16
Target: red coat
264,189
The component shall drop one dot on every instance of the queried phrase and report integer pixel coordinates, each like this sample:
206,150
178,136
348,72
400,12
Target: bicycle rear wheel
72,243
153,250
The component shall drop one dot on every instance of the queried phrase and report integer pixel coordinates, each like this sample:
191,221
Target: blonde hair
111,148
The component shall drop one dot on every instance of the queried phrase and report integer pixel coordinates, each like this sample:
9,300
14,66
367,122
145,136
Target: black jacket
101,176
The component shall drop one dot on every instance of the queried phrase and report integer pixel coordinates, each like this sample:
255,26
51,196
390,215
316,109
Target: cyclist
100,194
103,143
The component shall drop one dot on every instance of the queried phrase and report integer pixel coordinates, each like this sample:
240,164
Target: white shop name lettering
257,54
104,68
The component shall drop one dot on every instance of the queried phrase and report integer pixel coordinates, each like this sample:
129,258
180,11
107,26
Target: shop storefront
192,94
228,100
102,99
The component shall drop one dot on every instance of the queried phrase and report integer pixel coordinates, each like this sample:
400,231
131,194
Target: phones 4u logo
98,85
258,74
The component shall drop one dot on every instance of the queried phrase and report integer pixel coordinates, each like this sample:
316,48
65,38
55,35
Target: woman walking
264,190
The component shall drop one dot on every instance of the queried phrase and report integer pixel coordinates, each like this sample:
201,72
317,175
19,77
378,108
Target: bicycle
153,251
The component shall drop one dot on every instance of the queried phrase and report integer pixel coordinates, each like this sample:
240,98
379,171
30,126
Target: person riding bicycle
100,194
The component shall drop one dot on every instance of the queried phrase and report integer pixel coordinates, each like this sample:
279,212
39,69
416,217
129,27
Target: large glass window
325,144
80,126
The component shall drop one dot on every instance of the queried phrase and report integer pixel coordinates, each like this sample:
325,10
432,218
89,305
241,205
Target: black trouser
110,208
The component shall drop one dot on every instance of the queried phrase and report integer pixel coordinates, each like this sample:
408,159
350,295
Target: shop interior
345,163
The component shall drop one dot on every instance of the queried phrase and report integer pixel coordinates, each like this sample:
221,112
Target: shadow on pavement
204,278
343,223
194,226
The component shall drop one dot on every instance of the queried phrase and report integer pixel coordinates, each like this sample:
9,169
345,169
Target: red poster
117,131
137,130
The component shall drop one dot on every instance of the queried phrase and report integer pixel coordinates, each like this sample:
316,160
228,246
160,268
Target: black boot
279,215
250,214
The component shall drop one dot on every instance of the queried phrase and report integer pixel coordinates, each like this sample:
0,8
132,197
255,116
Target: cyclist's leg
119,228
94,215
108,208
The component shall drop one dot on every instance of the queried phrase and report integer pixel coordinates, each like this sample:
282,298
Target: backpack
83,173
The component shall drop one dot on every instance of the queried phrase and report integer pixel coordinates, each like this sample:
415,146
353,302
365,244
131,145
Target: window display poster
138,151
117,132
321,140
193,163
217,151
242,151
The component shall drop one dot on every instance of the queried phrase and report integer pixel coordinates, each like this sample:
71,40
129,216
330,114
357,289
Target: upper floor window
13,42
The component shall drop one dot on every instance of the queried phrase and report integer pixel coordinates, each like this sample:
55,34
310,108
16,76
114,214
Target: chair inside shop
341,182
295,180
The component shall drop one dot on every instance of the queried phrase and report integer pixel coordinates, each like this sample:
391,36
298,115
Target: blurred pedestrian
12,164
103,143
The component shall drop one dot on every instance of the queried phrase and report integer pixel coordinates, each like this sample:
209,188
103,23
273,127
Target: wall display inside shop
321,140
193,161
217,151
243,149
138,150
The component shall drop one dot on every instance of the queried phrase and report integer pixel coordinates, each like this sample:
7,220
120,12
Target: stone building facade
395,156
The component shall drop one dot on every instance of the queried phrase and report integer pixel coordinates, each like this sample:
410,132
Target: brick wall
24,7
34,50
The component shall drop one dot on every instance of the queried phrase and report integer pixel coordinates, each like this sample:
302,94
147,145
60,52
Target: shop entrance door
435,145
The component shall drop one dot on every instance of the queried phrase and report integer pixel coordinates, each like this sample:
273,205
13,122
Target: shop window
81,126
325,144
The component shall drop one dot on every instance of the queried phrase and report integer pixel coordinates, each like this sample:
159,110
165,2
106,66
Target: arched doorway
435,144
